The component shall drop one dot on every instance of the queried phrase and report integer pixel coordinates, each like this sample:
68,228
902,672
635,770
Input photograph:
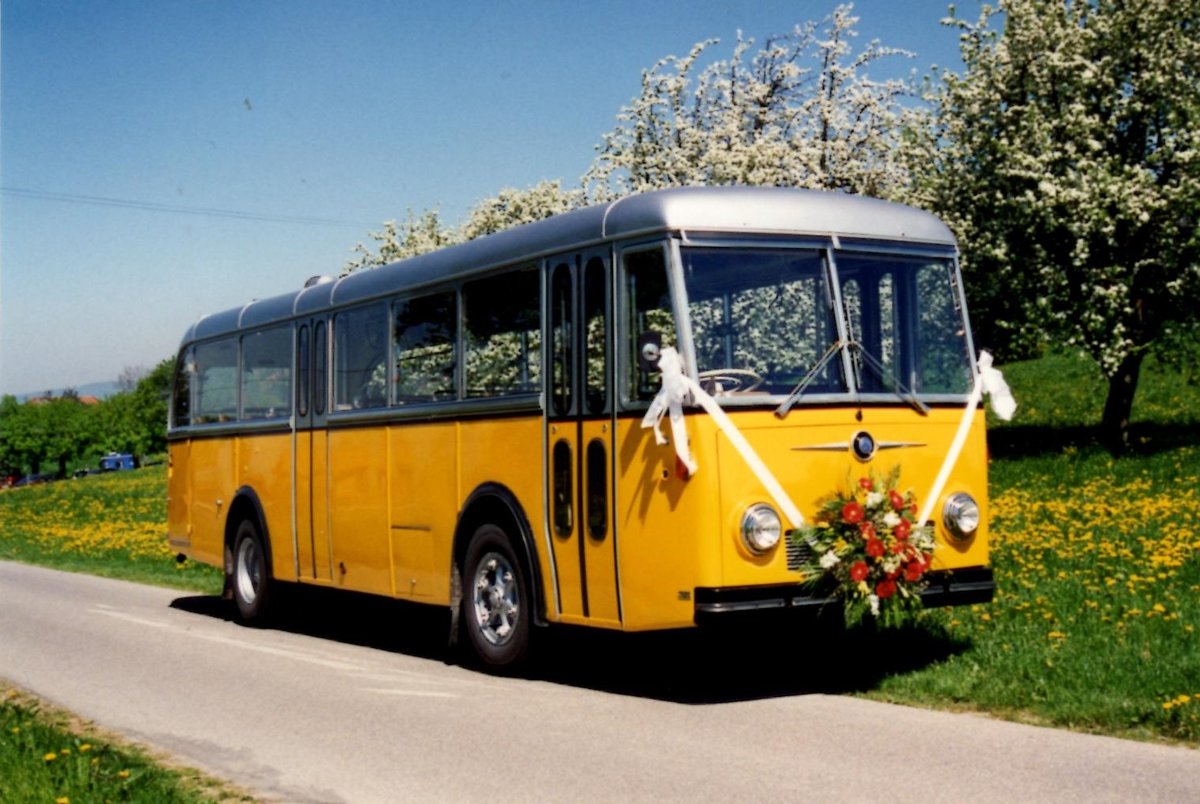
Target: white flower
874,499
891,519
874,601
829,560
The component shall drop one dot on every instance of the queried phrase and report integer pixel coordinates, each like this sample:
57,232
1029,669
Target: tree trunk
1118,407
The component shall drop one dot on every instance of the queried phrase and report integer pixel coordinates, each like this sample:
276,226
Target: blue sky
298,127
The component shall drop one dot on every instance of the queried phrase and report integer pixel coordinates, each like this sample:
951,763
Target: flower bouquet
866,544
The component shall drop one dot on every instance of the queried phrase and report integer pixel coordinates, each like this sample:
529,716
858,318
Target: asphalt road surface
353,699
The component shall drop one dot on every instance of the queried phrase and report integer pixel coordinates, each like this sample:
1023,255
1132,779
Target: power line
150,206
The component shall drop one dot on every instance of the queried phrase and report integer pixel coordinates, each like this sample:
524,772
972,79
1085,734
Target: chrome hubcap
496,599
249,570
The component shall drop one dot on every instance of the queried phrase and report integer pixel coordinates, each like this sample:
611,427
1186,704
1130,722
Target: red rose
885,589
913,571
902,530
893,575
875,548
852,513
867,529
858,571
865,483
898,548
896,500
912,508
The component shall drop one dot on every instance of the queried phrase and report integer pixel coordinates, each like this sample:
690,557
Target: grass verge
46,755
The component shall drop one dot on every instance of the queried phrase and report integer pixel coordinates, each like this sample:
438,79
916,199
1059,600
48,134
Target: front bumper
946,588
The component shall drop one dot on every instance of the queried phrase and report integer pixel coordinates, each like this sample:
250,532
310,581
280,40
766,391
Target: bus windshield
764,322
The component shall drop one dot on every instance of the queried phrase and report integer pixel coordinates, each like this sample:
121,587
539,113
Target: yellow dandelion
123,774
49,757
66,752
83,749
62,800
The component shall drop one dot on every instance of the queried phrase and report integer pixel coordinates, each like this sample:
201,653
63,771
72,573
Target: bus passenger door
579,439
310,468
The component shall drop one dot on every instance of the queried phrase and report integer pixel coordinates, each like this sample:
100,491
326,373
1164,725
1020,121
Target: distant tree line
51,435
1065,155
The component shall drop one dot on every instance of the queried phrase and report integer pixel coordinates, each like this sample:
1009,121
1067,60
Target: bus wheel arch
249,580
493,528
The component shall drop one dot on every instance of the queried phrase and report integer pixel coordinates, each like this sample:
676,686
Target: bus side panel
179,497
266,468
665,525
358,509
213,463
424,484
508,451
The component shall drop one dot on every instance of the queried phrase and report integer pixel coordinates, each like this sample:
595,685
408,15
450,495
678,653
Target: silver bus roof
736,210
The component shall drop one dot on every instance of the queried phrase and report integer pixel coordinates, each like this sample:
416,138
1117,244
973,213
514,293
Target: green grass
45,756
112,524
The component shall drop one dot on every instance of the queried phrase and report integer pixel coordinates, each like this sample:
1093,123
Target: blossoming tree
800,112
1067,158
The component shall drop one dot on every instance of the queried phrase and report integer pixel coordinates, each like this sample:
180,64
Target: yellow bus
471,429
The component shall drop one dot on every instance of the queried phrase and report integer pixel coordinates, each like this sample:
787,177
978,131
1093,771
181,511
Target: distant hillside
100,390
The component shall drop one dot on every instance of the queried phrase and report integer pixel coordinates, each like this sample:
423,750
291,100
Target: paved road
319,711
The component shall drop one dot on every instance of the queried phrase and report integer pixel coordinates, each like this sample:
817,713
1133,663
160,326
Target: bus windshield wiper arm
898,388
834,348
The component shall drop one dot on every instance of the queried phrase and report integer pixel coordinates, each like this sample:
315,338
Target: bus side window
502,333
360,358
648,305
267,373
181,405
423,335
216,381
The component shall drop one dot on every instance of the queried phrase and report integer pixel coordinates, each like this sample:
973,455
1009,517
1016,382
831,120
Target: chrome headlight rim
761,529
961,516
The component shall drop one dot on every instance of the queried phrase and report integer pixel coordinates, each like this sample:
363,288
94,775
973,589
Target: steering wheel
730,380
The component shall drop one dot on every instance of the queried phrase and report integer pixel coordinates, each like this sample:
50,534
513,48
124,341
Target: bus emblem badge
863,445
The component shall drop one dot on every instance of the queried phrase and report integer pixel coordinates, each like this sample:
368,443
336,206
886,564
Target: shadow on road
788,657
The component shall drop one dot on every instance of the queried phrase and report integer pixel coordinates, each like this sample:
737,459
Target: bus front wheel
251,578
496,602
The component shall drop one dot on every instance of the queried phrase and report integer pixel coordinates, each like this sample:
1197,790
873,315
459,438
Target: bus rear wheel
251,577
496,601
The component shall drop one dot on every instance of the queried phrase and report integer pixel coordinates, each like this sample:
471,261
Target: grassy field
111,524
1097,562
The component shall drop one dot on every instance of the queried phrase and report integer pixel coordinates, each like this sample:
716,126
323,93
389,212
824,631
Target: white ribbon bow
679,389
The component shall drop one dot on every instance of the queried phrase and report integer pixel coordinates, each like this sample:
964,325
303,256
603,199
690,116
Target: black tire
497,607
251,575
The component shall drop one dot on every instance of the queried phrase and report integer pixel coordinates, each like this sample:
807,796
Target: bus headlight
960,515
761,528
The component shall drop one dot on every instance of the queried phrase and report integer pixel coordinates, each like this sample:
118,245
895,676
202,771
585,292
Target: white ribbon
679,389
990,381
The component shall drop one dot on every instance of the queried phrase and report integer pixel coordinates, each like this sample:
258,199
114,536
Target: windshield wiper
898,388
834,348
